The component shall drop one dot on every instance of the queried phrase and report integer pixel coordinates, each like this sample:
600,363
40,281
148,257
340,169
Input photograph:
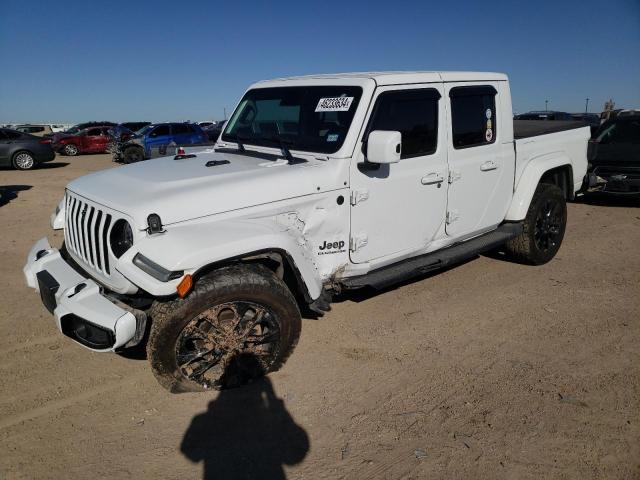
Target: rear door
481,158
181,133
400,207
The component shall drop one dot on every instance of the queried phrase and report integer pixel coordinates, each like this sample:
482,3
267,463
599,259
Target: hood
180,190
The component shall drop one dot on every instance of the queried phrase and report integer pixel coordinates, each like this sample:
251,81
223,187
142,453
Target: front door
399,208
157,140
481,158
91,140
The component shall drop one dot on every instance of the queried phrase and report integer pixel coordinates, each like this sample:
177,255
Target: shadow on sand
10,192
246,432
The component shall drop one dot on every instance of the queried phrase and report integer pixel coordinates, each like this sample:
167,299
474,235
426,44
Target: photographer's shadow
246,433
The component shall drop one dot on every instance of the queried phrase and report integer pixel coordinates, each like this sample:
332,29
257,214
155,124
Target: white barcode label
334,104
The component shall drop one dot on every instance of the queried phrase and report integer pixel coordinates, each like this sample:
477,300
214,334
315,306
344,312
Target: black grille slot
107,222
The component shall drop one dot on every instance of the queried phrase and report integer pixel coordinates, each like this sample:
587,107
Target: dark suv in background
614,155
153,140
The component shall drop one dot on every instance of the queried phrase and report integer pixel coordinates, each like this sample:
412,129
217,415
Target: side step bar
412,267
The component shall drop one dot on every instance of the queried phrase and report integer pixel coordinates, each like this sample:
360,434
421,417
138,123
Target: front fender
193,246
529,180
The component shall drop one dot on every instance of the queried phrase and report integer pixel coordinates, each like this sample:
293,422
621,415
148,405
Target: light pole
586,107
546,105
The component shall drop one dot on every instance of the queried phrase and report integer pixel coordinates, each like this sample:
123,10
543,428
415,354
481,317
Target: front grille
86,232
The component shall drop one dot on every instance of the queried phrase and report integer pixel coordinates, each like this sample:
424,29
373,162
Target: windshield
313,119
144,130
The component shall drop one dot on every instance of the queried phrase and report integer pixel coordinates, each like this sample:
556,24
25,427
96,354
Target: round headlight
121,237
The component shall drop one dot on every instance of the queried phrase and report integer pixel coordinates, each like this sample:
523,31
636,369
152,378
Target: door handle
489,165
432,178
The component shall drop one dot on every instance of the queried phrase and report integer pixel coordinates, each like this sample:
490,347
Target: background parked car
214,131
23,151
544,115
89,140
152,141
36,130
614,154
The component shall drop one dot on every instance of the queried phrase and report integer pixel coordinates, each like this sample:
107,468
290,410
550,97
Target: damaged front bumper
82,311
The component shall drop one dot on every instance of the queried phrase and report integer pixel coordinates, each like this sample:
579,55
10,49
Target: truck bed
533,128
568,138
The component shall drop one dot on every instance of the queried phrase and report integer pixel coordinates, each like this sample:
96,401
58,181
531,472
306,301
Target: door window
473,116
413,113
93,132
160,130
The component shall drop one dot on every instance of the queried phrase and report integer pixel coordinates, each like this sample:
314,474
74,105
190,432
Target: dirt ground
488,370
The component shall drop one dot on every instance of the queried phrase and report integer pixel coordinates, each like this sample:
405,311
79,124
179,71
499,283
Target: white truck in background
317,184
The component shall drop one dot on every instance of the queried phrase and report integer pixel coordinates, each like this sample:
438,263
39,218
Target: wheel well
561,177
22,150
278,262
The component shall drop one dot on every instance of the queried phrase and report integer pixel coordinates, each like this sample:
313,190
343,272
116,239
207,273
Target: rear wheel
239,323
71,150
23,160
544,227
133,155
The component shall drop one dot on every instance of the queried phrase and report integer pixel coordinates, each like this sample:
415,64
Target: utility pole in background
225,113
546,105
586,107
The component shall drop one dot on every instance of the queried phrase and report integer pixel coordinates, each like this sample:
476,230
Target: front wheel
239,323
133,155
544,227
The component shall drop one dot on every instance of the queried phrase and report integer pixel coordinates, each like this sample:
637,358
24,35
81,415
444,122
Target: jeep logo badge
331,247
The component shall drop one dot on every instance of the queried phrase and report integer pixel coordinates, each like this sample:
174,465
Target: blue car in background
152,141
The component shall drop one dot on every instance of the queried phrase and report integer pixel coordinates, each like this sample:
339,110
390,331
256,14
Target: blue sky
166,60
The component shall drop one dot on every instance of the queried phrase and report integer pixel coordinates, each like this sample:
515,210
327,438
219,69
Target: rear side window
473,116
12,135
93,132
180,128
414,113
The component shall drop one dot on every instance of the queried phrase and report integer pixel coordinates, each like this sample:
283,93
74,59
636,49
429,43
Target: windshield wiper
239,140
284,146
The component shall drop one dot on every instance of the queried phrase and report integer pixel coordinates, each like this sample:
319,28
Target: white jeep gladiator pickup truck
317,184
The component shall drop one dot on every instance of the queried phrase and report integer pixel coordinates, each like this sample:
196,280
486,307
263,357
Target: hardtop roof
397,77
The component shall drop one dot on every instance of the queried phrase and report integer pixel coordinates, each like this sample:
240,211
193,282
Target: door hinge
454,175
358,196
452,216
356,242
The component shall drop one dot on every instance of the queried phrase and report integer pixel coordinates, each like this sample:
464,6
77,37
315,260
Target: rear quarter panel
539,154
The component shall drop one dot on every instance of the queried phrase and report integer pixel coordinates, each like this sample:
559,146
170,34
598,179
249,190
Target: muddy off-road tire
544,227
237,324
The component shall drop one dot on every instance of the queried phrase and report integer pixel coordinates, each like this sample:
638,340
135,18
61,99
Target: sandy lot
487,370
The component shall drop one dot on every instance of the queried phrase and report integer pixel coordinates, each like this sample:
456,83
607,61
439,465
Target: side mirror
384,146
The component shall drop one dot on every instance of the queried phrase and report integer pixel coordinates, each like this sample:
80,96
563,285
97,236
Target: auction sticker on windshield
334,104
